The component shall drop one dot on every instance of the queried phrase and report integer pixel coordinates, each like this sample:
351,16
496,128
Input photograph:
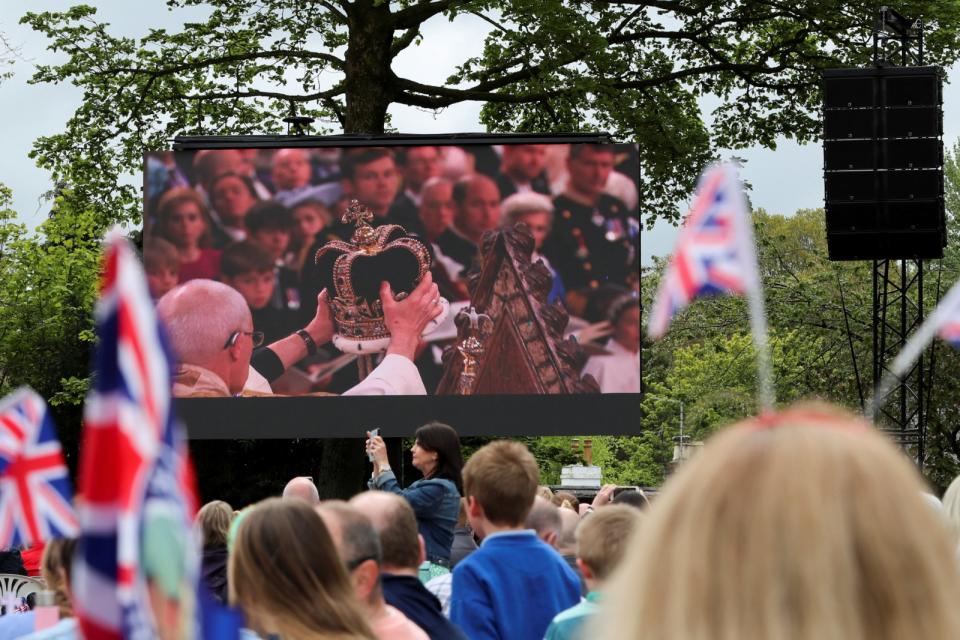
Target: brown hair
807,524
566,500
214,519
160,254
576,150
603,538
173,199
56,565
503,478
244,257
284,569
354,158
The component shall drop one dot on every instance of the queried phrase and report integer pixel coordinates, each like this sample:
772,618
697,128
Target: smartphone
373,434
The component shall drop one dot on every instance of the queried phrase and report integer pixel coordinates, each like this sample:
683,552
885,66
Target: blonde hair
503,477
214,519
603,538
55,569
951,507
806,525
285,573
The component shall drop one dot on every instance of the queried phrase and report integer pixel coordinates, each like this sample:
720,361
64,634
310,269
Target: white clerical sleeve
395,376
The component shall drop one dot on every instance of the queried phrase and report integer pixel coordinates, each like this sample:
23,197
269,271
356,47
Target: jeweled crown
354,270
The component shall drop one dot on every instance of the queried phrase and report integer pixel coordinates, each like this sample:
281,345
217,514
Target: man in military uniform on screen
595,239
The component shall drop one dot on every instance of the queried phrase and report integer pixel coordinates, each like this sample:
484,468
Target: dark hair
441,439
246,180
268,214
631,498
245,257
576,150
352,159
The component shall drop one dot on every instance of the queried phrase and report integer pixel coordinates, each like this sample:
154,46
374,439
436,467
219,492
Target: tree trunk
342,469
368,77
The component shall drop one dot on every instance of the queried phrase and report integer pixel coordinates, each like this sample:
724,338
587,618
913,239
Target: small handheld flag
944,323
715,254
35,493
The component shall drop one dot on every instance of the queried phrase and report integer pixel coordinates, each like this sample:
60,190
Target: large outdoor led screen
253,216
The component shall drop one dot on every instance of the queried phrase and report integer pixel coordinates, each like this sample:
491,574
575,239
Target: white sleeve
395,376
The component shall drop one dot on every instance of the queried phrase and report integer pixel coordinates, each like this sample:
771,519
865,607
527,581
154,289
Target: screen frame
328,417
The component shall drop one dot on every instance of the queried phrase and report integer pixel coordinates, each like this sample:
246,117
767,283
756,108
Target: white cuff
395,376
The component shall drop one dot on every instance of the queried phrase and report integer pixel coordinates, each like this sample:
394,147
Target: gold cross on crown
357,214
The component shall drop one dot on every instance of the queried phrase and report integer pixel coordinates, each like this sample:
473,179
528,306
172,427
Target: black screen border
399,416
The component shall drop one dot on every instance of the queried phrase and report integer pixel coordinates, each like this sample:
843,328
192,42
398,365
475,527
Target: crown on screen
354,271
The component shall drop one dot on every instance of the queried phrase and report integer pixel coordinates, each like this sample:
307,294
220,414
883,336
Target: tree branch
416,14
404,41
240,57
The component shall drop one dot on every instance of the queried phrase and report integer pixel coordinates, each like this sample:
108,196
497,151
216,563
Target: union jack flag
35,493
136,484
714,253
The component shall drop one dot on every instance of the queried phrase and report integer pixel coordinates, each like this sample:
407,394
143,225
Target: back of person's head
951,507
56,568
632,498
302,488
356,540
604,537
442,439
545,492
214,519
247,256
566,500
269,214
462,520
286,576
199,316
396,524
544,518
567,540
806,524
502,477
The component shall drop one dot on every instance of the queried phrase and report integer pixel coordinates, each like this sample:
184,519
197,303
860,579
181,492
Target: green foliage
636,69
48,283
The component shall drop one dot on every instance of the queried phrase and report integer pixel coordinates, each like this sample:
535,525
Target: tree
636,68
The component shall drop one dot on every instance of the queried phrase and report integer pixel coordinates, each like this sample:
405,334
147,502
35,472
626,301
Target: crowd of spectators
807,523
255,218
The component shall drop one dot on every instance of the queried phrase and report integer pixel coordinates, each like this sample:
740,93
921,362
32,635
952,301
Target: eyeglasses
255,336
356,562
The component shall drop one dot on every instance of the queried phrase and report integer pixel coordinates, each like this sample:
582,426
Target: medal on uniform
597,218
614,230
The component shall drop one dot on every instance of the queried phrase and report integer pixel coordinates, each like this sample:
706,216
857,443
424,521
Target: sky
784,180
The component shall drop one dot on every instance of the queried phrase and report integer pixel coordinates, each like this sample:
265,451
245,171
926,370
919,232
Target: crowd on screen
806,524
254,220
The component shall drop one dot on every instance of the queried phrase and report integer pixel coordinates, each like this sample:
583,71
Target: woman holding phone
436,497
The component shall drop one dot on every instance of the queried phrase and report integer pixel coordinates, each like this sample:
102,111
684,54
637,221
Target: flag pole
914,347
754,292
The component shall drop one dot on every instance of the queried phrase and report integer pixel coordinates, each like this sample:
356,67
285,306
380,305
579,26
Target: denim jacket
436,502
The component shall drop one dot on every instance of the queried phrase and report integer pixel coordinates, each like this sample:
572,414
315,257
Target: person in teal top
602,541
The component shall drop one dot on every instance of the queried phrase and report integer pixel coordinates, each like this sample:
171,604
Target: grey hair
522,203
199,316
544,516
435,181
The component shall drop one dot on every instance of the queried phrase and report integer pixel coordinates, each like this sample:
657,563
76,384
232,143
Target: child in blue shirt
514,584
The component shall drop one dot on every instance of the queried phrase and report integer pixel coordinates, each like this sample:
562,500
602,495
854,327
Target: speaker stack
883,163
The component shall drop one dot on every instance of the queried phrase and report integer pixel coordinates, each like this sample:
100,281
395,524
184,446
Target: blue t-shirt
511,588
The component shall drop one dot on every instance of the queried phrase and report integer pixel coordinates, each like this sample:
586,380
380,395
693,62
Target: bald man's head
302,488
567,541
209,325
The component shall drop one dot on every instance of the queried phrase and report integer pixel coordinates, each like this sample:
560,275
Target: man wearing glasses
211,332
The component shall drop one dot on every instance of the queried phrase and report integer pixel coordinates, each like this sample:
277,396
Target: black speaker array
883,163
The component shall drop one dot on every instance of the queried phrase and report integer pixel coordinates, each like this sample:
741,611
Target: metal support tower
898,284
